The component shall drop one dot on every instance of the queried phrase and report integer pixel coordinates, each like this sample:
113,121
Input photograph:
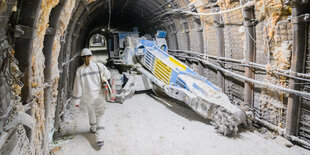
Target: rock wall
273,40
32,141
56,67
38,84
277,34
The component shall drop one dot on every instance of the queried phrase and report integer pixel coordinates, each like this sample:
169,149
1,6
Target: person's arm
77,90
106,72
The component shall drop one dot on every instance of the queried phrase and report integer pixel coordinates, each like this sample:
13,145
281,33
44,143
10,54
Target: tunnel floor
147,124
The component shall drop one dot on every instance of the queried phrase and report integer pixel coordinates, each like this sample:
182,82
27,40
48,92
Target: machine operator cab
160,39
129,45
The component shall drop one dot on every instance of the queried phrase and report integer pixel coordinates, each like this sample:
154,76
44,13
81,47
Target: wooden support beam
248,15
24,36
297,65
220,45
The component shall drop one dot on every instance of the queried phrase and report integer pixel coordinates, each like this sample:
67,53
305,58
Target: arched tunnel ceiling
125,12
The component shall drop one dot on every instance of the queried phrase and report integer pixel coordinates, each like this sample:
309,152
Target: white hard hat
85,52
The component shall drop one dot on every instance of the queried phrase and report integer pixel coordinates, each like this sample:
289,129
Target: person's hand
104,79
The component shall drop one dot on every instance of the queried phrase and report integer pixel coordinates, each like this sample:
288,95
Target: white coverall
87,88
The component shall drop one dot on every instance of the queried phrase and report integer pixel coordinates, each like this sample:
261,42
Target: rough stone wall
273,48
195,42
13,138
273,104
210,43
38,66
38,60
60,32
234,36
194,32
278,47
262,56
182,33
170,38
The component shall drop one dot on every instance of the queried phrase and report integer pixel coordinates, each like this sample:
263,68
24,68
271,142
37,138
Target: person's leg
100,114
92,117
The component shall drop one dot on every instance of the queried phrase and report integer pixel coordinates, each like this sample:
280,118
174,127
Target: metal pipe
150,76
255,67
253,64
282,132
161,6
220,45
297,65
270,126
48,53
261,83
248,15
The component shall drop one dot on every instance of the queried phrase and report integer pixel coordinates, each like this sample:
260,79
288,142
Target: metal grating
148,61
304,123
162,71
234,47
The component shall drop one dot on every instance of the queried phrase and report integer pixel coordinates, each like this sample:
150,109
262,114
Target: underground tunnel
187,76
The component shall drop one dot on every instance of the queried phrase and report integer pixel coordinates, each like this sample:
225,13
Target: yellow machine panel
177,64
162,71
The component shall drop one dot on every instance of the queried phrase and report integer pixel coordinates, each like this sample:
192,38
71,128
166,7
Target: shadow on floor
179,108
91,138
185,111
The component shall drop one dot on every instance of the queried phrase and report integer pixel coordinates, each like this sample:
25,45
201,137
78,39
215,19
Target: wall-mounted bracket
26,32
301,19
50,31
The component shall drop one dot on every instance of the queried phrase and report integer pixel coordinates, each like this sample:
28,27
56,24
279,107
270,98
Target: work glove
104,79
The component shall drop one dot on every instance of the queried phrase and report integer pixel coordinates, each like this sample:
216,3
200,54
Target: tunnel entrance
100,44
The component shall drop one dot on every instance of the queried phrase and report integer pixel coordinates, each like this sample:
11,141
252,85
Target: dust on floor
149,125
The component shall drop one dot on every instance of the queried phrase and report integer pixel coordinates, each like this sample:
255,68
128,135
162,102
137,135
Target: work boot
100,144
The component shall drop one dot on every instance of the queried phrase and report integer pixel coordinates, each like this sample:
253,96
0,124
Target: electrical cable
286,72
257,82
110,13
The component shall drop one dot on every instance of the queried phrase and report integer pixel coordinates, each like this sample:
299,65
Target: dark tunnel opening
89,19
124,17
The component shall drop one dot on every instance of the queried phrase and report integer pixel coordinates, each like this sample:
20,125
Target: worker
88,89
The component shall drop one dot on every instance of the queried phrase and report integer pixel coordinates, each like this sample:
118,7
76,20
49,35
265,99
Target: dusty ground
147,125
